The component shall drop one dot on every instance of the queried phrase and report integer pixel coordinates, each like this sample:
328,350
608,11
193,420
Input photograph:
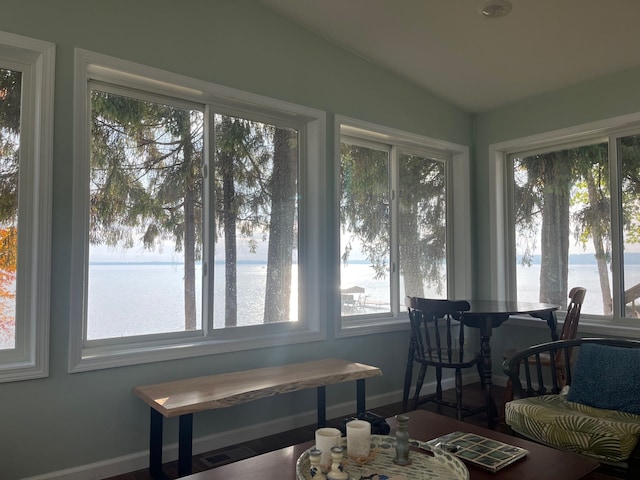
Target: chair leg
439,383
408,376
633,464
508,393
459,394
508,396
479,366
560,375
405,392
421,375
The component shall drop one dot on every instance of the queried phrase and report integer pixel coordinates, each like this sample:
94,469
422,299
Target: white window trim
30,358
458,221
502,281
311,123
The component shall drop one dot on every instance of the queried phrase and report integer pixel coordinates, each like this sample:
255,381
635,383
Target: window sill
354,327
98,358
588,327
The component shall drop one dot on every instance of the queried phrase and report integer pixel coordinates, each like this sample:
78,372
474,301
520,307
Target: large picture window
574,220
145,229
26,118
10,102
365,246
146,219
563,226
192,220
397,222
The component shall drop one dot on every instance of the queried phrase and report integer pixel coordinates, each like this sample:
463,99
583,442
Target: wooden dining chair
437,340
569,332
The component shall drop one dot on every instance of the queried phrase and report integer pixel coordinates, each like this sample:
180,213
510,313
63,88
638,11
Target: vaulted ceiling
477,63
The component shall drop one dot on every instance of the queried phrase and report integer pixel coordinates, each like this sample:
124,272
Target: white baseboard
140,460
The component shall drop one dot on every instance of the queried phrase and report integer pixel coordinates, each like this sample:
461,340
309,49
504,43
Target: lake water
130,299
137,298
133,299
579,275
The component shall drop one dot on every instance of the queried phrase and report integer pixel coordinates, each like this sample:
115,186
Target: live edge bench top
198,394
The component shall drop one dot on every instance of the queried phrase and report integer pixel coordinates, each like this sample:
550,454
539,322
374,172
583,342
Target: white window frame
311,325
502,236
36,60
456,158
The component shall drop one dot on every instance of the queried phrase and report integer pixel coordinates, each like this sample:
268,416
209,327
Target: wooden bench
183,398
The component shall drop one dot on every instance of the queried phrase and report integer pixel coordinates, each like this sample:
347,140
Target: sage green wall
592,101
68,420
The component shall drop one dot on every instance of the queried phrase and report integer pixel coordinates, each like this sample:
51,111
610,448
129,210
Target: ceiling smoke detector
495,8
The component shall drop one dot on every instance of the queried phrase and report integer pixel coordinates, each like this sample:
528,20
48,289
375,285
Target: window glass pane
145,218
365,230
423,226
10,97
629,152
562,227
256,245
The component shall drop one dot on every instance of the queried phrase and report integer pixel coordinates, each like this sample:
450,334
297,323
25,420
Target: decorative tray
483,452
442,466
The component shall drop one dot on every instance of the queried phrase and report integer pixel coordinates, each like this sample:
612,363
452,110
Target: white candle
358,438
325,439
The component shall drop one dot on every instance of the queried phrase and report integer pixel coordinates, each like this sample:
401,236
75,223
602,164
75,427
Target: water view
140,298
137,298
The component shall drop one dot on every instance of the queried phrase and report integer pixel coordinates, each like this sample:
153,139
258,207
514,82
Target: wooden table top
488,314
542,462
198,394
507,307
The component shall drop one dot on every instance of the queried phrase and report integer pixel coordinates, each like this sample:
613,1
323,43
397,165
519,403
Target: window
26,126
399,234
563,226
572,206
145,220
191,213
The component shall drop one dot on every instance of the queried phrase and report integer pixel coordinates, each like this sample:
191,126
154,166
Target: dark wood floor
473,394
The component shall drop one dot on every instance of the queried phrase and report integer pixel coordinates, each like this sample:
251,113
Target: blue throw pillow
607,377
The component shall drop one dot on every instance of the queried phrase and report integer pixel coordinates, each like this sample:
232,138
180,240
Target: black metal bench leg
360,396
322,406
155,445
185,444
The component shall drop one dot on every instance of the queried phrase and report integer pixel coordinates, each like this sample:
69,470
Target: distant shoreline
586,259
574,259
178,263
